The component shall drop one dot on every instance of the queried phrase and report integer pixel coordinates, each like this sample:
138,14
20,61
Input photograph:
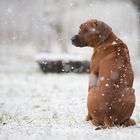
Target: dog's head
91,33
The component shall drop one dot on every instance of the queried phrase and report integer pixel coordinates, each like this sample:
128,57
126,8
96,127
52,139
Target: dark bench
63,64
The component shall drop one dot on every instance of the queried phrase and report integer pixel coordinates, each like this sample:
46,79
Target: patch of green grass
54,117
6,117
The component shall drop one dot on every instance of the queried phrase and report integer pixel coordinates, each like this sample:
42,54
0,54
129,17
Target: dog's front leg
92,83
93,79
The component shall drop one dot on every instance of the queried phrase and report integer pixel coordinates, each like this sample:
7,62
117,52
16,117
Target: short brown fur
111,98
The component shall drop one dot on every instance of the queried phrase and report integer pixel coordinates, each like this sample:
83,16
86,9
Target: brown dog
111,98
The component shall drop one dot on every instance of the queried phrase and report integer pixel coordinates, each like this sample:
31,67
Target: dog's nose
73,38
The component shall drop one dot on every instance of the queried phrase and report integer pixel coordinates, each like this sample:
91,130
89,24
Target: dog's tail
98,128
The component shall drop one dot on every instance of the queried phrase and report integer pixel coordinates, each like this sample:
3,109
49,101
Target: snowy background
34,106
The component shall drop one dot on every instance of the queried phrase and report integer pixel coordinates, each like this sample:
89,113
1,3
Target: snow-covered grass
37,106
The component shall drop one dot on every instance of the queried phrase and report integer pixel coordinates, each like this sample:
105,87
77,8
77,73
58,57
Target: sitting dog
111,98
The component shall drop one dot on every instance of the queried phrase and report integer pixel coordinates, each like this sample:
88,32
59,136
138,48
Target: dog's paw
88,118
129,122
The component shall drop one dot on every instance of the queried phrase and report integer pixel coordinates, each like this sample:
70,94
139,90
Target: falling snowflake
71,4
114,43
109,108
116,119
94,111
107,85
119,100
9,11
122,95
102,78
106,103
103,94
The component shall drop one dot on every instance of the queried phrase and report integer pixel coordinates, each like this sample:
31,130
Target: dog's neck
109,40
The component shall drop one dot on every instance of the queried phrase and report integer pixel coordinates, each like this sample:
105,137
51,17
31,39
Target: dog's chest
94,66
95,62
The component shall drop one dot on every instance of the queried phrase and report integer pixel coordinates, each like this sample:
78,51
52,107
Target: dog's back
115,100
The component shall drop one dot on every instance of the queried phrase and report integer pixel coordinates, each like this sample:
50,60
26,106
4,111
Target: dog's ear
103,30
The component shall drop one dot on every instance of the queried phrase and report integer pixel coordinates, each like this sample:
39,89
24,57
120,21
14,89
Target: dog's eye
85,31
89,31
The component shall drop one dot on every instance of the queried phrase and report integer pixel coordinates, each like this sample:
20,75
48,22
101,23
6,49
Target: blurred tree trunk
58,28
137,4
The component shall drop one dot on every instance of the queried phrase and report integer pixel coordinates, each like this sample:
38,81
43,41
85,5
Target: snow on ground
37,106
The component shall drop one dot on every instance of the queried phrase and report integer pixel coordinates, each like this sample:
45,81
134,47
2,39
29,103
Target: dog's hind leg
129,122
88,118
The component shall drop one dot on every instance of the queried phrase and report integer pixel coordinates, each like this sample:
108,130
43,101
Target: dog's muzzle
76,41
